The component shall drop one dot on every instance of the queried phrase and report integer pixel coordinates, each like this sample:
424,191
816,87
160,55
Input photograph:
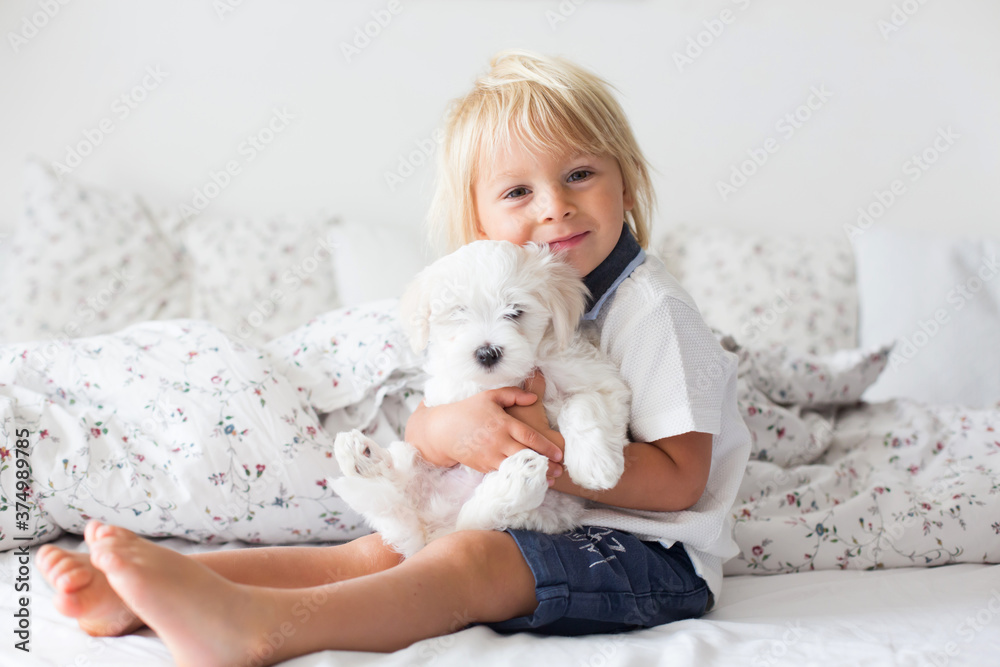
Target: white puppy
489,314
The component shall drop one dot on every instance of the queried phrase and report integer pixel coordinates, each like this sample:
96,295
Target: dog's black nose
488,355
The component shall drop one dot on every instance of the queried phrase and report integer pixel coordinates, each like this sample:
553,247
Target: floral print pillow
82,261
810,380
768,288
789,400
348,361
260,278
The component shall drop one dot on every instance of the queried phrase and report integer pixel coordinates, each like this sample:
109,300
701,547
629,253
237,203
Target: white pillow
939,296
81,262
257,279
768,288
374,262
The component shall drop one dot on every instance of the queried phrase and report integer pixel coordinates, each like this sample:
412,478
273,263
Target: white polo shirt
681,380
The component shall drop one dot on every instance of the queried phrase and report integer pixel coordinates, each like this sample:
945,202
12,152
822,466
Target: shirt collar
616,267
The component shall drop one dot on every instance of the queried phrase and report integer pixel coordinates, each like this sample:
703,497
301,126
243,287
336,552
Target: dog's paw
594,456
592,462
517,486
360,456
596,471
521,478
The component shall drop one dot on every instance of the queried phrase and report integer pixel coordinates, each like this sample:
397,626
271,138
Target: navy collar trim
616,267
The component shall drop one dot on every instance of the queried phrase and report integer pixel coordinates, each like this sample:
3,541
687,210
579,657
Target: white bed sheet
910,617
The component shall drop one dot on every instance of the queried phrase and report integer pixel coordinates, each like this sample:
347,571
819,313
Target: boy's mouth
567,242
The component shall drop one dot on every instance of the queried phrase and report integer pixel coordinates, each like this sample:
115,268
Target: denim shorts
597,580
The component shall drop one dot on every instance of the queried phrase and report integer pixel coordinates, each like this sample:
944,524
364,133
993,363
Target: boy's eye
514,192
579,171
513,314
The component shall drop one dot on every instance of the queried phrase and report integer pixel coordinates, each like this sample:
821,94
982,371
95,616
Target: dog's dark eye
514,314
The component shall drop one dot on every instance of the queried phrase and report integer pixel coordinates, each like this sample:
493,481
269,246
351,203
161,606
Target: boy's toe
107,561
44,557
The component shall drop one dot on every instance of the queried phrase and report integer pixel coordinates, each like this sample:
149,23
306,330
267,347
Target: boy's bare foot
83,593
203,618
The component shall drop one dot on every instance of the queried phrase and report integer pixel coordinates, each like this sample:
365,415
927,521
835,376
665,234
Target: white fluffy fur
528,302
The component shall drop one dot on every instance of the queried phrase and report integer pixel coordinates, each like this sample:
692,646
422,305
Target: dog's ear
561,290
415,310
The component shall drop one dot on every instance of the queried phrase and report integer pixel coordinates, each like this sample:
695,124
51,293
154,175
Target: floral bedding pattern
82,261
257,278
167,428
356,368
858,485
176,428
768,288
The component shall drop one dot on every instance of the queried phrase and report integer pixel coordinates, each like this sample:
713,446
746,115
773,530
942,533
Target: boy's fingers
525,398
536,383
507,397
554,469
532,439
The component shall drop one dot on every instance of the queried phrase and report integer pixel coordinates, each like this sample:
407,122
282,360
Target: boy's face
574,202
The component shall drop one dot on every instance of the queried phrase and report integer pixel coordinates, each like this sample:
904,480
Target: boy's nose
489,354
554,205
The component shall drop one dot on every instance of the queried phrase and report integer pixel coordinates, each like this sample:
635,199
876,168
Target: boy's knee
497,577
376,554
479,552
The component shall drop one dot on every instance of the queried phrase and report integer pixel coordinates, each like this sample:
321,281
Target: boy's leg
301,567
473,576
83,593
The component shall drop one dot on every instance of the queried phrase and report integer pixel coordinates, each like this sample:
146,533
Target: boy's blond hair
549,104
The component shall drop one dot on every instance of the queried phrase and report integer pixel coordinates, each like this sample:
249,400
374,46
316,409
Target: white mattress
906,617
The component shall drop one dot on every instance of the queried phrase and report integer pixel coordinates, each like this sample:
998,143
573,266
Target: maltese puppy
489,314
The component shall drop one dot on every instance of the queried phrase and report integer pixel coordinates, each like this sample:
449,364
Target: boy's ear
563,293
477,231
415,310
627,202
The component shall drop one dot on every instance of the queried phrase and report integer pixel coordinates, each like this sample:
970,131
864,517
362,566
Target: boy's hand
478,432
534,416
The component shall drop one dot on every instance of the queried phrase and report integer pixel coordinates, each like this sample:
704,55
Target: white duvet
171,428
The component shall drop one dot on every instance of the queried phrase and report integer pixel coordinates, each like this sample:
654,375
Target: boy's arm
665,475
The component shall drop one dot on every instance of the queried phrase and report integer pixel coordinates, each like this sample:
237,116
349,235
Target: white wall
355,121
